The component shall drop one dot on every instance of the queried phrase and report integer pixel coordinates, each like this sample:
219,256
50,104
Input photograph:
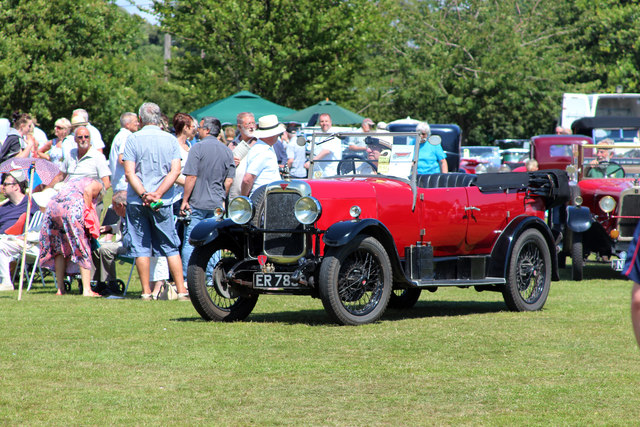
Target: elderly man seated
104,257
603,165
14,187
12,243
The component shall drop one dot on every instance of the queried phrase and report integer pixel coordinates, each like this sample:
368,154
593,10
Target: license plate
274,281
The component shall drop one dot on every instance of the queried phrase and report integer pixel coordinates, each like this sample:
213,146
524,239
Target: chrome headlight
481,169
578,201
607,204
307,210
355,211
241,210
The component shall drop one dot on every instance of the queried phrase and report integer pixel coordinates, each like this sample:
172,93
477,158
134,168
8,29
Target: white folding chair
32,255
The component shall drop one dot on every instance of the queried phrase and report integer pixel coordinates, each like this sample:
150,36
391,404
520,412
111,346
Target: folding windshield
358,153
608,160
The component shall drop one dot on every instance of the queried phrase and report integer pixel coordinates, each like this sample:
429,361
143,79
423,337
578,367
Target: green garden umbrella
227,109
339,115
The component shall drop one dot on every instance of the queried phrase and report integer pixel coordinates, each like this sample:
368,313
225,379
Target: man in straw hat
262,163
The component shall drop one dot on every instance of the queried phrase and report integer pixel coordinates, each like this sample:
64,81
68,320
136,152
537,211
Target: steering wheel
348,166
606,170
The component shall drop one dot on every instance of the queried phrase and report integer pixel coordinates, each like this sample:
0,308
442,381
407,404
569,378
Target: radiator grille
629,206
279,214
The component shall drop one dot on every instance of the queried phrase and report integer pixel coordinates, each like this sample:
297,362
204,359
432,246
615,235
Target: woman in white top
52,150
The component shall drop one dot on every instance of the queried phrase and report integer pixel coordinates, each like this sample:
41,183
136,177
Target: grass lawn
458,357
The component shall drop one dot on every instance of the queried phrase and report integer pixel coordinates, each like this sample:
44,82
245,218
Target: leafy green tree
494,68
58,55
292,52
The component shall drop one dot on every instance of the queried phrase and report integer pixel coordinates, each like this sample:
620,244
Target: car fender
343,232
209,229
579,219
504,245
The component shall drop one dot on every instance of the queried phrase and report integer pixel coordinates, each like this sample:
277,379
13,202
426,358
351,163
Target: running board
460,282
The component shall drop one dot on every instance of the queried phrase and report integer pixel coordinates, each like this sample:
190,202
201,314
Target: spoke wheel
212,296
355,281
529,275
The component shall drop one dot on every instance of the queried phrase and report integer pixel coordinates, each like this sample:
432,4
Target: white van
578,105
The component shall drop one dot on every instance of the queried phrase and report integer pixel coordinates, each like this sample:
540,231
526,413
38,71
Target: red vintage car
362,242
604,208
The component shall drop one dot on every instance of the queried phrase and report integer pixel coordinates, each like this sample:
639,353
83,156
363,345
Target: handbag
168,292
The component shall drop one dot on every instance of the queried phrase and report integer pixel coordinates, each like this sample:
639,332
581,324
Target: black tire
577,258
529,273
404,298
211,297
355,281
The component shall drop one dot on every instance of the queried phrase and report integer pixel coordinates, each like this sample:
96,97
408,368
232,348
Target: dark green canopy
227,109
339,115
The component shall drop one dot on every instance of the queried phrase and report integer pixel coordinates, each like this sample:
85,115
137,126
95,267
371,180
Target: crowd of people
160,173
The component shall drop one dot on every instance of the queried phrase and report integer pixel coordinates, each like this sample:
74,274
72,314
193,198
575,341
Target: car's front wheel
355,281
212,296
529,273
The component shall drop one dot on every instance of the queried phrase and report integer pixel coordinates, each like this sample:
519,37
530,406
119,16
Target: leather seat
444,180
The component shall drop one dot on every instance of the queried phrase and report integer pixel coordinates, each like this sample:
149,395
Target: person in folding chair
12,241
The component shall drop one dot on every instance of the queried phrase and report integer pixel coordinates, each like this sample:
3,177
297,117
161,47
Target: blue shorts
632,263
153,233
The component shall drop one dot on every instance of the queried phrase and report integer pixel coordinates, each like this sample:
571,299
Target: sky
133,8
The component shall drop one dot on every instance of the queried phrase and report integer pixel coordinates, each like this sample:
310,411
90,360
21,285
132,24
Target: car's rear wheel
213,297
404,298
577,258
529,273
355,281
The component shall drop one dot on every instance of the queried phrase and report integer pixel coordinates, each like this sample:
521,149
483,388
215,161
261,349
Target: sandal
146,297
184,297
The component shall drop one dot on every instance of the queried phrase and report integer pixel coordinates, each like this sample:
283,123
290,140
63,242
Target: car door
443,219
487,215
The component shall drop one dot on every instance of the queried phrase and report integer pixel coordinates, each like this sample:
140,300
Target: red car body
375,240
586,227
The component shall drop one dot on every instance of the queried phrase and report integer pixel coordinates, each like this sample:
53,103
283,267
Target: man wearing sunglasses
86,160
13,189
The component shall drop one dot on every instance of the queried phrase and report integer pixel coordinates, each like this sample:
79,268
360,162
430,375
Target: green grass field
458,357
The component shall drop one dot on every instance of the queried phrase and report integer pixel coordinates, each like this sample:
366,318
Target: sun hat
385,141
78,121
269,126
368,121
42,198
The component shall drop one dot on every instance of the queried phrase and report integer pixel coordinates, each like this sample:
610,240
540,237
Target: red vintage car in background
604,208
362,242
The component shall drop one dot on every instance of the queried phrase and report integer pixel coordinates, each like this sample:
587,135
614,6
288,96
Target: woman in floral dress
64,239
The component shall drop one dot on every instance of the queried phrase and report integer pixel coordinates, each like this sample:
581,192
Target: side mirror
301,140
435,140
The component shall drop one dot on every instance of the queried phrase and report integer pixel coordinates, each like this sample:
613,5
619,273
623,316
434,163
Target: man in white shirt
329,153
262,163
129,124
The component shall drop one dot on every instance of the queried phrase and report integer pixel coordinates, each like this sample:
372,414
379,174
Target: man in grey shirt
209,172
152,164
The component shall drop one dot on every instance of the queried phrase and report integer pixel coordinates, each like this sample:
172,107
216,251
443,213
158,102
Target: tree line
496,68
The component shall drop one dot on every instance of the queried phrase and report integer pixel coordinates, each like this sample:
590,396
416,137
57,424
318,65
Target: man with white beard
244,141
